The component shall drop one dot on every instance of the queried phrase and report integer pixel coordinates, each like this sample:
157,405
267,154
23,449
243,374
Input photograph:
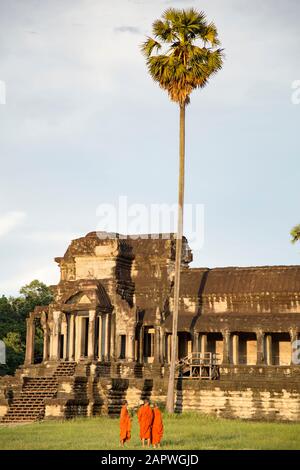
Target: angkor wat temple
107,334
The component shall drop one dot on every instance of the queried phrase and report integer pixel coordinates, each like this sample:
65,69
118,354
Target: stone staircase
29,404
103,370
115,396
65,369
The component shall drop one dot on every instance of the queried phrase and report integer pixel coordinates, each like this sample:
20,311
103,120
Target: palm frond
149,45
211,35
163,31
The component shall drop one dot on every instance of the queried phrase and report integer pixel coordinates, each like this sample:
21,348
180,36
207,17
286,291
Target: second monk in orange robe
145,417
157,426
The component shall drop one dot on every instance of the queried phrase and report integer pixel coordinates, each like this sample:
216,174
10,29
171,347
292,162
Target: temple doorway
184,344
149,344
215,344
247,348
122,340
38,341
61,346
280,352
85,334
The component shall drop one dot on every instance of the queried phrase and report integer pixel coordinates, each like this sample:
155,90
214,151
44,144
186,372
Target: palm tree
181,57
295,234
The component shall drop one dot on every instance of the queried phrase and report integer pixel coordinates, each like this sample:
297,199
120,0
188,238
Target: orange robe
157,427
125,424
145,417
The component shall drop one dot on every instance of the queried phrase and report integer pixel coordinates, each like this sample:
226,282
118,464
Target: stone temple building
107,335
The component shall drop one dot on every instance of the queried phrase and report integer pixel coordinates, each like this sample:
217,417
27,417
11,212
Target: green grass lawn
186,431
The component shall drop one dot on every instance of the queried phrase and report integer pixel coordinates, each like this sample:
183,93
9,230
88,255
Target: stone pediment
87,294
79,298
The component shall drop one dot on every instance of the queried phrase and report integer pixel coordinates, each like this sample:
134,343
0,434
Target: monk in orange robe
125,424
157,426
145,418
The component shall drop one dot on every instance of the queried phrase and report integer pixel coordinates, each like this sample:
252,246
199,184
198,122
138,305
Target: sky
83,124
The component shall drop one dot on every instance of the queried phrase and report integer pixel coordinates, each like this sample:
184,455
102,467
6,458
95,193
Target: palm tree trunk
171,384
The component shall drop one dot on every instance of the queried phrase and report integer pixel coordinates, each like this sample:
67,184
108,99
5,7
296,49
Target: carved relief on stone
71,271
158,316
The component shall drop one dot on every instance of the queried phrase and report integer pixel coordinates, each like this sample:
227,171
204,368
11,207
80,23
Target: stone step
29,404
65,369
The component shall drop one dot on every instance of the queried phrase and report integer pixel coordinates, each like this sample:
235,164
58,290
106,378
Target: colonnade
72,337
90,335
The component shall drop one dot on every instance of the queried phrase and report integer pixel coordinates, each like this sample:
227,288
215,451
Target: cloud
127,29
46,237
47,274
89,121
10,221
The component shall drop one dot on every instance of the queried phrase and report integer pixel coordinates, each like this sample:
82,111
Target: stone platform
68,389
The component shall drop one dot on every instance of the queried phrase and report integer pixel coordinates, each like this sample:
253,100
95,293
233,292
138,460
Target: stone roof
241,280
271,288
144,245
234,322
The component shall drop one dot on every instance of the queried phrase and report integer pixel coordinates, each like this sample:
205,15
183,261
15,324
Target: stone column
30,331
113,336
294,346
269,357
46,344
136,351
118,347
203,342
235,349
65,350
141,351
100,352
260,349
226,346
156,344
78,339
104,326
163,346
56,336
50,341
91,335
195,342
130,346
71,337
107,337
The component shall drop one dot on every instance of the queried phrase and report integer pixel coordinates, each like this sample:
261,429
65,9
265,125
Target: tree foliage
295,234
13,313
184,52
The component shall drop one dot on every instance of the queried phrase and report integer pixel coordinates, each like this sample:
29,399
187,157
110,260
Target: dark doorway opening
184,344
38,341
122,346
86,336
149,342
61,346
